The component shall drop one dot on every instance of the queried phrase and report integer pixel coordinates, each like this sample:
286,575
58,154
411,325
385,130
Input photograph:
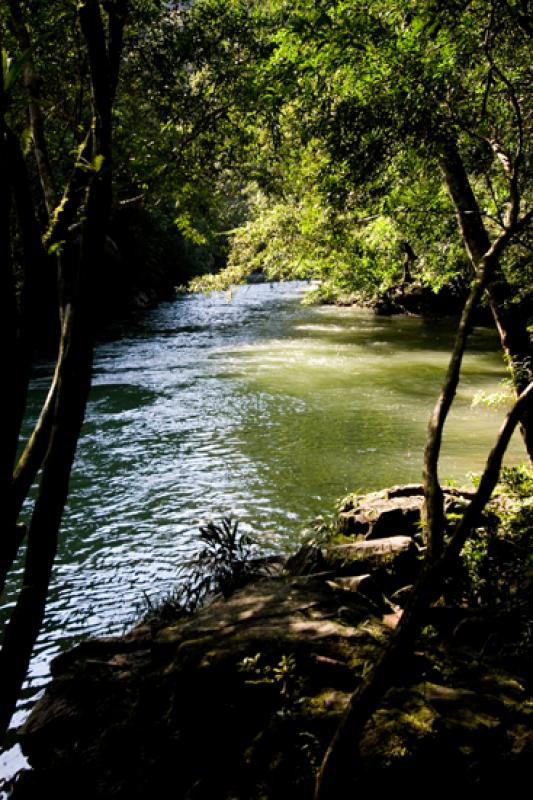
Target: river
251,405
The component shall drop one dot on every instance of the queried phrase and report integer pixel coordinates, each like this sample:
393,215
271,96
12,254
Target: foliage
163,611
518,481
303,139
499,557
283,674
365,95
495,399
225,563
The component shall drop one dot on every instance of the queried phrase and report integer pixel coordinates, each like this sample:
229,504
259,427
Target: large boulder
396,511
390,512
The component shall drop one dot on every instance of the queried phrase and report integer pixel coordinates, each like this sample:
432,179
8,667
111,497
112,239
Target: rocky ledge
240,699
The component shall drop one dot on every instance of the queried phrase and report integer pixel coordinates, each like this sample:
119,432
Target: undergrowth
225,562
497,561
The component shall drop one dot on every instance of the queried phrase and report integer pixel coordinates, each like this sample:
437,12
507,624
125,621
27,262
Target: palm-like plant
224,564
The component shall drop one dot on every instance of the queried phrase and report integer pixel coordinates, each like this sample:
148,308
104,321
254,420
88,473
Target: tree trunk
15,363
31,83
26,619
434,499
511,320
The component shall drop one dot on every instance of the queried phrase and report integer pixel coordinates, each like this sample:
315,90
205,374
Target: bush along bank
240,698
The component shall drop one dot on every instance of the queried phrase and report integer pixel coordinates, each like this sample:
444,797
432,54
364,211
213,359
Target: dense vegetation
358,143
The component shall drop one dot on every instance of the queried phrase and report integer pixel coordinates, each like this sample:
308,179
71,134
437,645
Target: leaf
13,68
57,247
26,139
5,66
98,162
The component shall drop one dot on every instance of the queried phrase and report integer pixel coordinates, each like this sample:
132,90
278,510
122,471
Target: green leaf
13,68
5,67
98,162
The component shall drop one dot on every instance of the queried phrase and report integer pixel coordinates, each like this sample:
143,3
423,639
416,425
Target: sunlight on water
260,408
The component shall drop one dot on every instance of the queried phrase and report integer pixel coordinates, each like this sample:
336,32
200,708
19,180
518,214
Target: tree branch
511,169
31,83
434,499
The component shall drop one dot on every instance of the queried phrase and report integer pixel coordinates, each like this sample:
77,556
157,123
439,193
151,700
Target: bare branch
117,12
33,454
511,168
490,187
502,157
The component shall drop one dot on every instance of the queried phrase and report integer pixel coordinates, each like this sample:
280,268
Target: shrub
226,562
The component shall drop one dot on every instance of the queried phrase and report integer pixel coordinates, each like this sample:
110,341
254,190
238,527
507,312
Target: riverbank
409,299
241,698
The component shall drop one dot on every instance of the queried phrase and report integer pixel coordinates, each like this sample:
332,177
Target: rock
256,276
414,299
383,514
362,584
403,490
396,511
401,596
306,561
240,700
128,725
367,589
358,558
393,562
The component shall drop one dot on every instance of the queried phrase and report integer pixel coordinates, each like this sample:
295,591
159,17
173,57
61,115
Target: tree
404,104
74,239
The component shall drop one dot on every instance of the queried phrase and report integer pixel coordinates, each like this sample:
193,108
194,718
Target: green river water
260,408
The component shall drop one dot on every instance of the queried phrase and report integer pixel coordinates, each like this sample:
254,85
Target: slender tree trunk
37,270
511,320
8,319
26,619
15,366
434,499
440,559
32,85
20,324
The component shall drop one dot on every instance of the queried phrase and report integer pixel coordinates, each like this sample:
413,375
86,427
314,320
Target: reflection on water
259,407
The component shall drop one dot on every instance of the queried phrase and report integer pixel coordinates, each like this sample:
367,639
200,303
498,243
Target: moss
398,731
328,703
